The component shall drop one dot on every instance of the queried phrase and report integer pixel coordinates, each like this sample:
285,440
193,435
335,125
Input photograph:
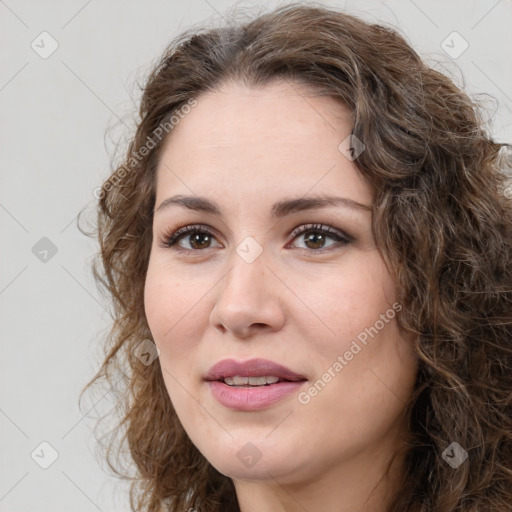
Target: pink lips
256,397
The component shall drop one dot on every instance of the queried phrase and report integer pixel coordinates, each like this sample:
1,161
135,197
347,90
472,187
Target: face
303,288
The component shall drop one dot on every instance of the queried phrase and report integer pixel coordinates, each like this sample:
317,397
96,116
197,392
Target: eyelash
170,238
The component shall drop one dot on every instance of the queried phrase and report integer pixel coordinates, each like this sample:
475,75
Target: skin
298,303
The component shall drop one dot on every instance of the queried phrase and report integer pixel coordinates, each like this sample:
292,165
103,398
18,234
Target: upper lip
251,368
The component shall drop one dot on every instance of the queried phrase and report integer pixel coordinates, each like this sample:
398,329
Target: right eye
197,236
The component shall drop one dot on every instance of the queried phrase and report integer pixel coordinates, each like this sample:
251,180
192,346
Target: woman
307,247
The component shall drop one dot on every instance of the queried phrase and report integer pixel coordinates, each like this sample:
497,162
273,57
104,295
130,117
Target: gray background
54,113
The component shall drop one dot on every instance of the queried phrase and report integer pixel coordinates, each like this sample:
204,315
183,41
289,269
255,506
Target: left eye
318,233
198,237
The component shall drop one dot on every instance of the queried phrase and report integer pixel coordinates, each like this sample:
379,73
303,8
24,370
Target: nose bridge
247,277
246,296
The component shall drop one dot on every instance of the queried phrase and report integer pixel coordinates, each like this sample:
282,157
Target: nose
249,299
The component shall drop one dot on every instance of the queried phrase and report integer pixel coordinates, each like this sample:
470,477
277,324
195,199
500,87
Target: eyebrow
279,209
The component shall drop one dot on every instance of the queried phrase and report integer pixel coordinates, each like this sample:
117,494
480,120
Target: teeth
250,381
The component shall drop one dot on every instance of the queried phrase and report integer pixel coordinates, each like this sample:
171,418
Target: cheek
171,317
340,303
175,329
157,292
167,299
354,315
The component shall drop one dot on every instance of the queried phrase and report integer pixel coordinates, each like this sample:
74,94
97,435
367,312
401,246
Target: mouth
254,372
251,385
249,382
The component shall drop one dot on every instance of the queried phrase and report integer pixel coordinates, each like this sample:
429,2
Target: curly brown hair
442,221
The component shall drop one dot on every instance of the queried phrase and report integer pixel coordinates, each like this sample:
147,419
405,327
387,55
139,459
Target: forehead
281,137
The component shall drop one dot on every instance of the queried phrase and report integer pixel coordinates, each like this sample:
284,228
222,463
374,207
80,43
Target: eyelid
171,237
324,228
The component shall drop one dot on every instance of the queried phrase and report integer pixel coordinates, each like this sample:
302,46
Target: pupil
197,237
319,239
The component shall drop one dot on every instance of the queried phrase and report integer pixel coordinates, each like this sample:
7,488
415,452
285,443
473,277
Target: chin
261,471
258,461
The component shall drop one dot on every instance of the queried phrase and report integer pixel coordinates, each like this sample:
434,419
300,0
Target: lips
252,385
230,368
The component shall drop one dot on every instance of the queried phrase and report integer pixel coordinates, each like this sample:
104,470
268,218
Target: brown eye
199,240
315,236
316,239
197,237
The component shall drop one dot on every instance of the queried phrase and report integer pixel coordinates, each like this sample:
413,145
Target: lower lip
253,398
